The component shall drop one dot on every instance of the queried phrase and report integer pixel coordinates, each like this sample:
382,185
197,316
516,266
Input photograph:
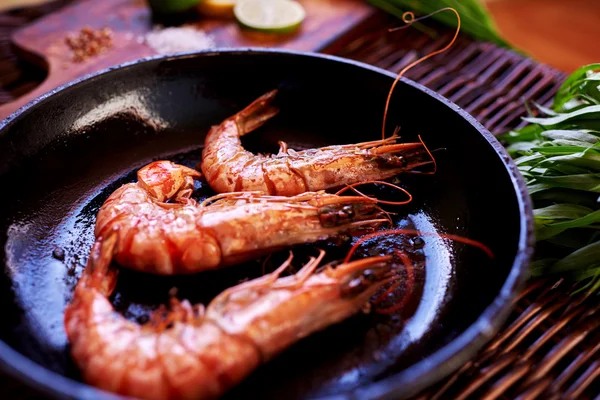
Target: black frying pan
63,154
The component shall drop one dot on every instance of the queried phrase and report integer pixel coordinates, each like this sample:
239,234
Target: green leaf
593,284
567,240
590,113
562,195
575,135
539,267
546,111
525,134
587,160
579,259
566,169
558,153
520,147
559,149
588,273
534,172
558,227
563,142
529,160
538,188
475,18
572,84
590,182
562,211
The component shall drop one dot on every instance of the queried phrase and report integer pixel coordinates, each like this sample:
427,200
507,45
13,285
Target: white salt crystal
178,39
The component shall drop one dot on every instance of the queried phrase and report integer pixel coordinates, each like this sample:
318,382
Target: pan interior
66,156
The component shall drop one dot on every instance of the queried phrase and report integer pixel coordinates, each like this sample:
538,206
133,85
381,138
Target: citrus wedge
269,16
217,8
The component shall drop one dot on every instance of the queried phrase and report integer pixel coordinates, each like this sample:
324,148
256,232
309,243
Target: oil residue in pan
364,348
340,358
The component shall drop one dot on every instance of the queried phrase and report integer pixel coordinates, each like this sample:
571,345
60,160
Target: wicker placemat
550,346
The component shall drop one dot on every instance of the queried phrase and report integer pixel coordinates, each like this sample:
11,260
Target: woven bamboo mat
550,347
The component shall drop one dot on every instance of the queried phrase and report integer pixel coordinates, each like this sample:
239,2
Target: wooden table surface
545,331
560,33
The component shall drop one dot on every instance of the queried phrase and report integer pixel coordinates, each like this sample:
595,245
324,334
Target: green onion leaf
579,259
591,112
580,136
562,211
558,154
476,21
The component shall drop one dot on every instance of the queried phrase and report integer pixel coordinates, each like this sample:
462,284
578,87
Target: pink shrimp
192,353
162,230
228,167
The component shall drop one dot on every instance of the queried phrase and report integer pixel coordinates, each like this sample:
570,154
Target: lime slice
217,8
270,16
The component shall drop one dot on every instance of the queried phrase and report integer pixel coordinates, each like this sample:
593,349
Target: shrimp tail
98,273
256,114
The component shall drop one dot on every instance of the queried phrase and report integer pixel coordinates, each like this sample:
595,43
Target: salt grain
178,39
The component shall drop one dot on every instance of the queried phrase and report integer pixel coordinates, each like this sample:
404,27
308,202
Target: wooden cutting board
44,43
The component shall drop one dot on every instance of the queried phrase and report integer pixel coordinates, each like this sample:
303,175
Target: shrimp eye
398,161
335,216
353,288
349,211
369,275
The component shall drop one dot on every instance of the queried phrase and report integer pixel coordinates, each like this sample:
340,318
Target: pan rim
406,383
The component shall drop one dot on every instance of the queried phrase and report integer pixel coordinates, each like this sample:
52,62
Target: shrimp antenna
430,153
409,18
414,232
392,203
410,283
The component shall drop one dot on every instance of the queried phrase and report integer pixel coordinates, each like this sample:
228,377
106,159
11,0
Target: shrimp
228,167
192,352
162,230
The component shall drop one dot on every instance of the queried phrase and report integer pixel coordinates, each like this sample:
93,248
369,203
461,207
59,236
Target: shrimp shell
228,167
162,230
189,353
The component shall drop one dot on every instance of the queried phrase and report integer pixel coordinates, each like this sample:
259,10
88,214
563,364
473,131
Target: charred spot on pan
417,242
340,239
58,253
362,280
